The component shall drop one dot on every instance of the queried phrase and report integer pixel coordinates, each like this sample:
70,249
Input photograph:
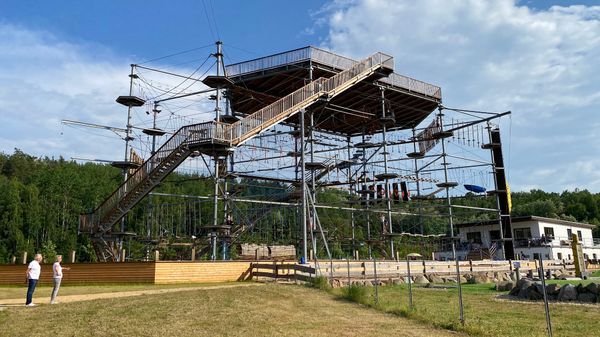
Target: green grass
595,274
485,315
265,310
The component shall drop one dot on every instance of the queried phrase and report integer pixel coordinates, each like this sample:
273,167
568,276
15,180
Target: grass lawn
268,310
485,315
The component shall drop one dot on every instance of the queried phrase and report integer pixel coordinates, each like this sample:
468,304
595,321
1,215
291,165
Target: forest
42,198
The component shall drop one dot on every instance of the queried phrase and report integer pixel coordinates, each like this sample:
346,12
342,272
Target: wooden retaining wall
201,272
80,273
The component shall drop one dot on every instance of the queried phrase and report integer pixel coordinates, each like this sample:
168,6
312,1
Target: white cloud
497,55
45,79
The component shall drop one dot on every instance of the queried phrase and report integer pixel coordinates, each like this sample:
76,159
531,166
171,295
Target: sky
539,59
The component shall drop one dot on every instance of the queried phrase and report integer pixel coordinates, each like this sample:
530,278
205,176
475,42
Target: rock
580,289
504,286
421,280
552,289
567,293
479,279
523,285
436,279
593,288
368,283
514,291
534,293
586,297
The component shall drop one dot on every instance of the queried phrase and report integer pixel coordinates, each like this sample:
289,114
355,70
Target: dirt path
88,297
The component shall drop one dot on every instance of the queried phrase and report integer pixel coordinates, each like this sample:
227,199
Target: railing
554,241
329,59
290,103
184,134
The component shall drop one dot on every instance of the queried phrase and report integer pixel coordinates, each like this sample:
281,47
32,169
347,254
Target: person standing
33,275
57,270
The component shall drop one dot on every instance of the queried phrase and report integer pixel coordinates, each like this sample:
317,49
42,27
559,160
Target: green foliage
42,198
319,282
355,293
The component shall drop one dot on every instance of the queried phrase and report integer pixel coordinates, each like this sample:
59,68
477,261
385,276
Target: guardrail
329,59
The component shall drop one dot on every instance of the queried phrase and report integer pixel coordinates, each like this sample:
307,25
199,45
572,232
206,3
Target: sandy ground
87,297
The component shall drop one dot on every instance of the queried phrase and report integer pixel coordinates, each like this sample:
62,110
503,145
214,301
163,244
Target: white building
532,235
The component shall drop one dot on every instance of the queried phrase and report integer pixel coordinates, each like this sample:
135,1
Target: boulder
534,292
435,279
523,286
421,280
593,288
479,279
586,297
504,286
567,293
514,291
552,289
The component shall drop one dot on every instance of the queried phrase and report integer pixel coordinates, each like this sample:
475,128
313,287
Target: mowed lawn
485,314
265,310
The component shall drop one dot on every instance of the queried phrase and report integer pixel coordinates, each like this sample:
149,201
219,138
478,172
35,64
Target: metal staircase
210,137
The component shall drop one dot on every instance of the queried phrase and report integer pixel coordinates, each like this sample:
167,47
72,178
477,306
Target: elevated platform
350,113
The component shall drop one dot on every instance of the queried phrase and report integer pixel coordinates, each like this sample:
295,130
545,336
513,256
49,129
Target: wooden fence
344,269
170,272
161,272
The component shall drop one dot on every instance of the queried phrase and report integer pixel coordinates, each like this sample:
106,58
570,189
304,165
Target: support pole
450,219
385,170
303,177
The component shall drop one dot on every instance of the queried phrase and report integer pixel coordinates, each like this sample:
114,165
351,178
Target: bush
319,282
355,293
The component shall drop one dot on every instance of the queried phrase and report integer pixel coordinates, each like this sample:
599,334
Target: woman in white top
33,275
57,270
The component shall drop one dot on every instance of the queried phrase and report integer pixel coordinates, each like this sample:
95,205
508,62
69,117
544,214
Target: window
569,255
569,233
474,237
522,233
536,256
559,256
495,235
549,232
579,236
595,256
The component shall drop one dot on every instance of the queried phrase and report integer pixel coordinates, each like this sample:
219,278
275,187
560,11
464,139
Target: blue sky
69,59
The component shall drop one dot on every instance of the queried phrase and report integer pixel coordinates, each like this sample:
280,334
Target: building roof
518,219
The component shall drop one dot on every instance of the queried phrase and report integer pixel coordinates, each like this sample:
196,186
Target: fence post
193,254
410,298
295,274
156,255
24,257
72,260
376,282
424,268
13,259
348,264
471,266
546,308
